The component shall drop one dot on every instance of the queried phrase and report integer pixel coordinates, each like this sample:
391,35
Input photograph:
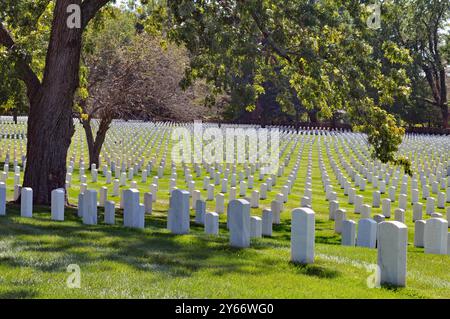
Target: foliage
135,74
422,27
385,136
282,57
29,22
318,55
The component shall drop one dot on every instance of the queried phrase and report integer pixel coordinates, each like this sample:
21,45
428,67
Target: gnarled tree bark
50,123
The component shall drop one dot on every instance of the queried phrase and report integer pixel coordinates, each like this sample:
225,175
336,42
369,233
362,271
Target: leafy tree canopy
317,52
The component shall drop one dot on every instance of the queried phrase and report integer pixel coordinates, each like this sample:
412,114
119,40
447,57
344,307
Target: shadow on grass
154,249
315,270
283,232
391,287
18,294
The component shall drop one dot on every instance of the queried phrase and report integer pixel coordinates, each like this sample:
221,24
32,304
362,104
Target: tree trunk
89,138
445,116
95,146
50,123
15,111
313,116
334,120
297,119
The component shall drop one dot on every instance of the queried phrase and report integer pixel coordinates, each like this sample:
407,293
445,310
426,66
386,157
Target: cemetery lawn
117,262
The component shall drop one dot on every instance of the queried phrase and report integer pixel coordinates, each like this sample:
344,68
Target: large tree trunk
444,110
15,111
95,146
313,118
436,77
297,118
50,123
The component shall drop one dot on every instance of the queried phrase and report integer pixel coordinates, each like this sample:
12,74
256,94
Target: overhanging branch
268,38
89,9
23,69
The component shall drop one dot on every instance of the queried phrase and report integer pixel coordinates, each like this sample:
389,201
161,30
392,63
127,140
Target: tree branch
89,9
427,100
5,38
23,70
268,38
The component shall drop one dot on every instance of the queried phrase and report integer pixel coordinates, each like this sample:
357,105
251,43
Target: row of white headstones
357,200
135,163
350,192
367,232
391,238
367,227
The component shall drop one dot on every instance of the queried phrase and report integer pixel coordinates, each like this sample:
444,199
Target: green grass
117,262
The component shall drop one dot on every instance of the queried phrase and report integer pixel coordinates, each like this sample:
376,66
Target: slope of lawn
116,262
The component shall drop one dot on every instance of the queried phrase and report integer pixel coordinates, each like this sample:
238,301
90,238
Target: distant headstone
379,218
103,196
82,204
220,203
2,199
419,232
211,223
333,206
376,199
200,211
110,213
430,205
417,211
402,201
148,203
254,202
90,214
365,211
255,227
276,211
399,215
196,195
339,216
367,233
348,233
267,221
